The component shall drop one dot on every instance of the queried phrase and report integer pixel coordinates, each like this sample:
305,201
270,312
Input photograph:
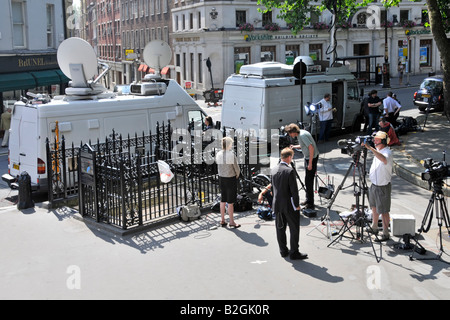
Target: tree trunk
443,44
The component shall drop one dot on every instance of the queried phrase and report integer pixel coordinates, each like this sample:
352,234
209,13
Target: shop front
35,73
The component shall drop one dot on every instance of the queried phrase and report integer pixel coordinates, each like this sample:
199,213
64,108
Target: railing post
49,173
139,179
122,193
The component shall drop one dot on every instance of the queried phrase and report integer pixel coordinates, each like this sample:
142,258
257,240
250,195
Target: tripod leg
426,115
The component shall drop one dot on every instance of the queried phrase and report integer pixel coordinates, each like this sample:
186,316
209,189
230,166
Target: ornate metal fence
117,181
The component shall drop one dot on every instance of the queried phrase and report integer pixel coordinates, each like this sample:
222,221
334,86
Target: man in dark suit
286,205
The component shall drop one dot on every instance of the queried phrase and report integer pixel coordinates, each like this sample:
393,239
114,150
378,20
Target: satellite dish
157,54
78,61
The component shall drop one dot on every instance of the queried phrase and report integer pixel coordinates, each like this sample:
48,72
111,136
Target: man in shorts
380,175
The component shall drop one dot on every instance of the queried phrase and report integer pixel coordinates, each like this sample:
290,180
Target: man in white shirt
391,109
325,117
380,175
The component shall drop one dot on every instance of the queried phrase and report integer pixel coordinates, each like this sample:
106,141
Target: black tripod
357,219
441,215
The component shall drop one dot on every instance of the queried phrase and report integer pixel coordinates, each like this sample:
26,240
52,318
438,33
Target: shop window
425,53
241,57
315,51
292,51
268,53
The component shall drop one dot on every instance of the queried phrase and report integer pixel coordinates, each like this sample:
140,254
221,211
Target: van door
23,143
242,107
339,103
353,117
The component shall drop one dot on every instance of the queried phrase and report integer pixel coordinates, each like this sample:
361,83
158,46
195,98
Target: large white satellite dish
77,60
157,54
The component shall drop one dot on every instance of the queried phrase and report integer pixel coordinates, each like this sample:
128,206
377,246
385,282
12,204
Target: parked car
431,93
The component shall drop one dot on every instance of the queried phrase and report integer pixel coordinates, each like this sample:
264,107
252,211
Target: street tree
296,13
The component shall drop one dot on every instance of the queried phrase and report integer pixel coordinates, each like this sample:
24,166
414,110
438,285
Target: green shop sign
266,36
423,31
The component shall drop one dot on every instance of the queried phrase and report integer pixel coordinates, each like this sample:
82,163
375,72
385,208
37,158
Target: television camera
350,147
435,171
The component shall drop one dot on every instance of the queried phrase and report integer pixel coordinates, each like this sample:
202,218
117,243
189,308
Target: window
425,53
241,57
292,51
50,26
266,18
352,91
315,51
18,23
425,17
404,15
241,17
200,68
268,53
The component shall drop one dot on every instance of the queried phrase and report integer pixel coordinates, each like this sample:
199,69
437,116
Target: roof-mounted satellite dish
78,61
157,54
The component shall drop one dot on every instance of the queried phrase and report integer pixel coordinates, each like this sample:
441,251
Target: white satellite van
89,112
266,95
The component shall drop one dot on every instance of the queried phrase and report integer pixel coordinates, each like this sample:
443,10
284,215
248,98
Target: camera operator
311,154
380,175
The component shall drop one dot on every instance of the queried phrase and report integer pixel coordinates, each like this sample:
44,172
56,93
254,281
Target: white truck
92,119
267,96
89,112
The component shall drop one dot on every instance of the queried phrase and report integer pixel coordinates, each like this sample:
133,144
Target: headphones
385,140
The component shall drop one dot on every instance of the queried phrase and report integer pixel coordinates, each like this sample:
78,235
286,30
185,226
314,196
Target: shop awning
165,70
46,78
16,81
28,80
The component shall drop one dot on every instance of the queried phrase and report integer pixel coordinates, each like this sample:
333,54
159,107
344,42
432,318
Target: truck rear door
23,146
242,108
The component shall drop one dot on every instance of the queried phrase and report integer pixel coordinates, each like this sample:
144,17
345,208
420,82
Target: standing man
374,102
380,191
326,117
286,205
311,154
391,109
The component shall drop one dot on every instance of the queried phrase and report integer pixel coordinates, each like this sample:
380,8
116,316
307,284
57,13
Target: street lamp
386,79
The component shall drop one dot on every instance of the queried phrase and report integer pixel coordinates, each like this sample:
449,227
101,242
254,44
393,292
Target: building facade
141,22
30,33
234,33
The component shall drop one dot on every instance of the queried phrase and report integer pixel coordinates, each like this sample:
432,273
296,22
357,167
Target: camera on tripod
284,139
435,171
351,147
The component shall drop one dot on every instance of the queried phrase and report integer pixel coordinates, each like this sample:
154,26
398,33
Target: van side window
352,91
195,120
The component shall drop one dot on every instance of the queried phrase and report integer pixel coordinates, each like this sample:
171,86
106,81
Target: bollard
25,201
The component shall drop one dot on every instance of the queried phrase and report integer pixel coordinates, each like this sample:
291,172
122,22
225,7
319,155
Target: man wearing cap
380,175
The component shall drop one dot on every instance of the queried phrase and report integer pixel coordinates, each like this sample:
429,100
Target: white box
402,224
